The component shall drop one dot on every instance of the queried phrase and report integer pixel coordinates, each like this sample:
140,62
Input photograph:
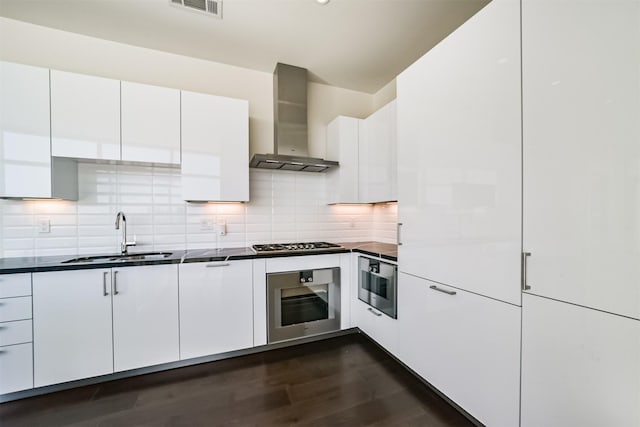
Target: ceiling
354,44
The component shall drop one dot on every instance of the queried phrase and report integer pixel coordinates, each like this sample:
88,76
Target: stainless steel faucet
124,245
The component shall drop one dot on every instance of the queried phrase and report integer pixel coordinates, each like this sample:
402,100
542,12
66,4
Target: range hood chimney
290,150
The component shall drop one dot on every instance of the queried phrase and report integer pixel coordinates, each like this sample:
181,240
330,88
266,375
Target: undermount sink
128,257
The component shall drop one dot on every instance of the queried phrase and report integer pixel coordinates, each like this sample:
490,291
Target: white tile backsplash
285,206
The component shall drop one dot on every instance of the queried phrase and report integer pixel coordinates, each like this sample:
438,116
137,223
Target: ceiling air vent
210,7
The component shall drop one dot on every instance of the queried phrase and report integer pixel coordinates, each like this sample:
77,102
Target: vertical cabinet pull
525,286
104,283
115,283
398,234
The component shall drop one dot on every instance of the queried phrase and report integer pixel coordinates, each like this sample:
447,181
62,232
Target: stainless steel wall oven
303,303
377,285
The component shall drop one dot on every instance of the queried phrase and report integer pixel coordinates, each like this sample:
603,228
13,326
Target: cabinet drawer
377,325
18,332
16,368
15,285
15,309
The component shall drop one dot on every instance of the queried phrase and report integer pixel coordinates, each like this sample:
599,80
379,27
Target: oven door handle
375,313
390,278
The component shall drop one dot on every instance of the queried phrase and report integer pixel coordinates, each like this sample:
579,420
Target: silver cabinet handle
398,235
104,283
525,255
444,291
115,283
224,264
374,312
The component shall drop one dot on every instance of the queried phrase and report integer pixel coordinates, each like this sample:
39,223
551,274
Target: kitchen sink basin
128,257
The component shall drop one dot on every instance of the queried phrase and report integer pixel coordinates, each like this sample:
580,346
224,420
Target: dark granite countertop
381,250
57,263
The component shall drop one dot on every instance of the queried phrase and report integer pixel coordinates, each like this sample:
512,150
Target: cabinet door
25,145
465,345
377,156
85,116
342,146
459,144
215,148
581,151
145,316
150,123
380,327
71,325
580,367
16,368
216,307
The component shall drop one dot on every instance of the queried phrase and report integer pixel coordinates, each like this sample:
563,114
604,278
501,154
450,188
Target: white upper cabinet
580,367
145,316
459,147
85,116
366,151
25,148
377,156
215,148
581,105
150,124
342,146
216,307
25,138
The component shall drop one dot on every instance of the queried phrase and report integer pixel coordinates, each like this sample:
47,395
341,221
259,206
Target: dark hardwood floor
344,381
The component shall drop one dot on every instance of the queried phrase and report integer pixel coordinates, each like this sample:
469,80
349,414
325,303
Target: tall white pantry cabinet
581,219
459,204
482,133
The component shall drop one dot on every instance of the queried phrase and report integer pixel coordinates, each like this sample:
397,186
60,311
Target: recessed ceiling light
322,1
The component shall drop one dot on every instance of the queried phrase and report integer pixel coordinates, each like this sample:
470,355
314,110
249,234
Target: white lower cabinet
93,322
377,325
72,325
465,345
580,367
16,338
145,316
216,307
16,367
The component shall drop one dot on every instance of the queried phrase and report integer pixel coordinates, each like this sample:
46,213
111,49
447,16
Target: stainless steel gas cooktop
279,248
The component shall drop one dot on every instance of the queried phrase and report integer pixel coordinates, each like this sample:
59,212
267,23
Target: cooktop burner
294,247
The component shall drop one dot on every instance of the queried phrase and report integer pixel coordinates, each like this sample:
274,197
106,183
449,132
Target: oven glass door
304,304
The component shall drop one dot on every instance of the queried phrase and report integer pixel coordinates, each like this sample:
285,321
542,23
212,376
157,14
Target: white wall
385,95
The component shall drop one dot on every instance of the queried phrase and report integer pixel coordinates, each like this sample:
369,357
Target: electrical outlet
222,228
44,226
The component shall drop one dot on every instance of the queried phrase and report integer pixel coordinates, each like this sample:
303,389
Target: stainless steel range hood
290,150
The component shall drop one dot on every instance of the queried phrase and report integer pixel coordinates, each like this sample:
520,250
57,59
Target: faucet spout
124,245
